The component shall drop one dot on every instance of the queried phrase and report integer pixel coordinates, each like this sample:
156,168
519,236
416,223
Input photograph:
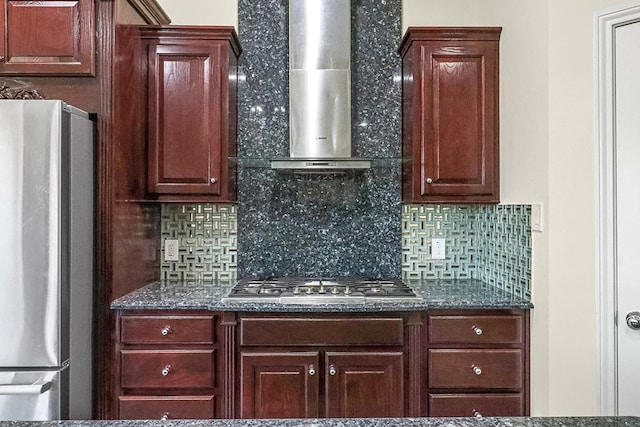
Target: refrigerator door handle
38,387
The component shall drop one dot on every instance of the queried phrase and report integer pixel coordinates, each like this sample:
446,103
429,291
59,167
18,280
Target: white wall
201,12
547,156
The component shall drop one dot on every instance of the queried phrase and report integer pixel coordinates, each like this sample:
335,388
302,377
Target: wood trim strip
151,11
414,332
228,323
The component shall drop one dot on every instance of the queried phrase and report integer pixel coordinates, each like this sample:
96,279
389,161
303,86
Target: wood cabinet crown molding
151,11
197,33
447,34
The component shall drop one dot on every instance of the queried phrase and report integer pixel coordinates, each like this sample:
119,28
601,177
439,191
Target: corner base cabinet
450,115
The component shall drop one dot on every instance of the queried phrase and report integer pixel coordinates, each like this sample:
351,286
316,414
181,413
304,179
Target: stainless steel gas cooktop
297,290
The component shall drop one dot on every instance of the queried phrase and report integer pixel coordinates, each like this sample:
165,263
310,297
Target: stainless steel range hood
320,87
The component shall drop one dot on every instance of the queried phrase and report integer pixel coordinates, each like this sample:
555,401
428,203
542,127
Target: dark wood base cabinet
168,365
322,366
477,363
442,363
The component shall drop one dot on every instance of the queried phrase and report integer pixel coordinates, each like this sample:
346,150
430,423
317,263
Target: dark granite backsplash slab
354,422
332,225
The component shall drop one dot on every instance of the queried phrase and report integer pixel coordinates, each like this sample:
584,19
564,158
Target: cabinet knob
165,331
477,414
213,180
1,58
477,330
429,181
332,370
312,370
165,416
476,370
166,370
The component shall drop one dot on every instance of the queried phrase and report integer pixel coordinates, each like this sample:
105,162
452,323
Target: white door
627,232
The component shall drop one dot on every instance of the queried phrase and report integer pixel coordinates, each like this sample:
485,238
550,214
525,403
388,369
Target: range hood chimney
320,87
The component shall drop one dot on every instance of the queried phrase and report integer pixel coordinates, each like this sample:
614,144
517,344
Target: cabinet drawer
167,329
309,331
167,369
476,405
474,369
475,329
166,407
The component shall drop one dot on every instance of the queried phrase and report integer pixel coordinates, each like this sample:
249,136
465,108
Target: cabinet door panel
167,407
364,384
458,151
279,385
54,37
184,119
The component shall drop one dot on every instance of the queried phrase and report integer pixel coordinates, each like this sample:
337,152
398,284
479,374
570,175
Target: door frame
605,23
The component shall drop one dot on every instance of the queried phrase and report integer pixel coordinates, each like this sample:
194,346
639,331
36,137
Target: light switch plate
171,250
438,249
536,216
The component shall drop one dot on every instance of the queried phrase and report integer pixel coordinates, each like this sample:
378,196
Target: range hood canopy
320,87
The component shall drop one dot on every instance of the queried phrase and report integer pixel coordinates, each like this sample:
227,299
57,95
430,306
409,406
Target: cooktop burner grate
302,290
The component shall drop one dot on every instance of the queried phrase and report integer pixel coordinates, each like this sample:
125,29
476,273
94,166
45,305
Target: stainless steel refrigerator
46,260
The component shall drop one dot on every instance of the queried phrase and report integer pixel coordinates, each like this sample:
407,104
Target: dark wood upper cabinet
192,78
450,115
48,37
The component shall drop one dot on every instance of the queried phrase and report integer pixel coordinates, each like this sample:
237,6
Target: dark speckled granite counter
357,422
444,294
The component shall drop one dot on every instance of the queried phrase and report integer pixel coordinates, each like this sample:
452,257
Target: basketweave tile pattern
207,241
491,243
506,247
456,224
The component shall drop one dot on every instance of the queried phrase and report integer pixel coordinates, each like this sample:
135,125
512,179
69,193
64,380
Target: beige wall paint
201,12
547,156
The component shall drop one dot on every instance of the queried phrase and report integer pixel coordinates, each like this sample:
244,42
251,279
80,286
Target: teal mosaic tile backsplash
487,242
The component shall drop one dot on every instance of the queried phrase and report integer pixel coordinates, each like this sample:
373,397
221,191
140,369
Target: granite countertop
437,294
354,422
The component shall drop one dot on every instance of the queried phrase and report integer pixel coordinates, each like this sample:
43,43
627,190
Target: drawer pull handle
165,416
213,180
476,370
166,371
165,331
477,330
477,414
332,370
312,370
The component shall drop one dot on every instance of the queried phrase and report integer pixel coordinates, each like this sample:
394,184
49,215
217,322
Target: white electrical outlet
536,216
438,249
171,250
